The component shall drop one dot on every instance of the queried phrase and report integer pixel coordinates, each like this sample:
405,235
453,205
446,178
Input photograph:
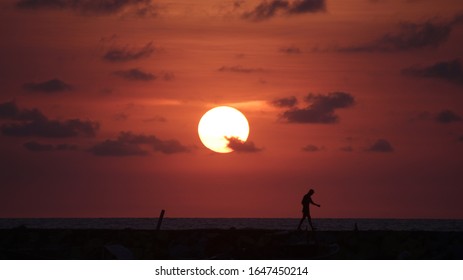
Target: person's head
311,192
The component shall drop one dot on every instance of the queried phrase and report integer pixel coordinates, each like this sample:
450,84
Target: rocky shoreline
57,244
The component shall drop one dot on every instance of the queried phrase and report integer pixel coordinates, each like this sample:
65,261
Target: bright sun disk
221,123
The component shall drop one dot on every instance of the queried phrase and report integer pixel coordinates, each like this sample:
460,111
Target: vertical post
161,216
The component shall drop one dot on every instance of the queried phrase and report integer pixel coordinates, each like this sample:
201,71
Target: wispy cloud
130,144
285,102
239,69
268,9
409,36
135,74
312,148
91,7
347,149
124,54
290,50
50,86
34,146
51,128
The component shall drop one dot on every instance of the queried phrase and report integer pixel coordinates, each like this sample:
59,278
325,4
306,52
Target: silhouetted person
306,201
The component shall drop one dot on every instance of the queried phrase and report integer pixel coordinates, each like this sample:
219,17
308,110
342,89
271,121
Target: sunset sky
361,100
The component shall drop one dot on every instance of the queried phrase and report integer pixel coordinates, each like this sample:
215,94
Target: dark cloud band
381,146
32,122
268,9
130,144
135,74
50,86
321,109
451,71
124,54
89,7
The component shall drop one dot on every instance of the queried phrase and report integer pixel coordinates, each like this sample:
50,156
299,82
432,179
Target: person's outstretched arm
318,205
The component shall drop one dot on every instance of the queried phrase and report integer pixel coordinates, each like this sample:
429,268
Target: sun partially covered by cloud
239,146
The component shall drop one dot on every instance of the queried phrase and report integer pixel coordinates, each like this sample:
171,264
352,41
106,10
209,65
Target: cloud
37,147
311,148
135,74
284,102
409,36
321,109
65,147
32,122
239,146
290,50
51,128
117,148
451,71
10,111
168,76
124,54
268,9
306,6
50,86
239,69
90,7
156,119
34,146
130,144
347,149
447,116
460,138
163,146
381,146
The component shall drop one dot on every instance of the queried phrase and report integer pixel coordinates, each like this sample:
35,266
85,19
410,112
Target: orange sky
153,68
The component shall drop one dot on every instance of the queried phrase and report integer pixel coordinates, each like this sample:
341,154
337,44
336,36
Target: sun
221,123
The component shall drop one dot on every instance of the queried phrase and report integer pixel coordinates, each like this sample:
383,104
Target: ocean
238,223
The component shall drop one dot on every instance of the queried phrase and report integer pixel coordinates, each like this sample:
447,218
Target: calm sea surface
238,223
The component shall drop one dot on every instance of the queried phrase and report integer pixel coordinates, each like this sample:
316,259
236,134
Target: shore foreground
25,243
